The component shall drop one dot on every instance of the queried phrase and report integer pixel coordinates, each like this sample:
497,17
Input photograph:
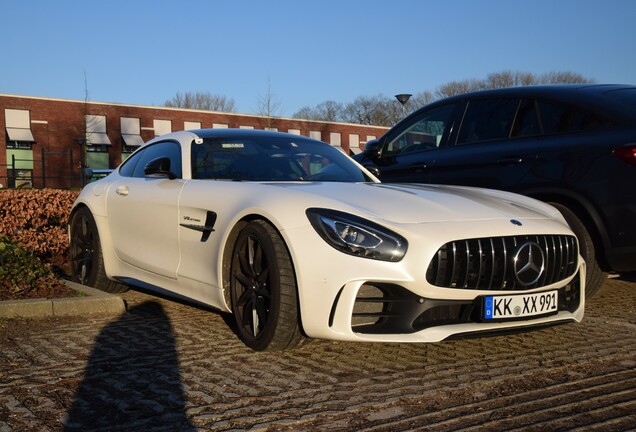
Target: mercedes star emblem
529,263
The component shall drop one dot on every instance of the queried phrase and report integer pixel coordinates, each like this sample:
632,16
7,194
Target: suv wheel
595,275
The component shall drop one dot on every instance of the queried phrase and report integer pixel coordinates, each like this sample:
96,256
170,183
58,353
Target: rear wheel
595,275
87,261
263,290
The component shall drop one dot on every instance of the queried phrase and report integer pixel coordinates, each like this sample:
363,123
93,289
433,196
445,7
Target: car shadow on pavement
132,380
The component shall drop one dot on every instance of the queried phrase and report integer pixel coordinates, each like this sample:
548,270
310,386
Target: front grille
489,263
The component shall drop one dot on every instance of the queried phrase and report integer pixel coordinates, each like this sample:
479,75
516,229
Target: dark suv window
487,119
425,134
527,121
561,118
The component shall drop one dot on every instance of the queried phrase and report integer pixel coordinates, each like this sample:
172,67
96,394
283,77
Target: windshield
272,159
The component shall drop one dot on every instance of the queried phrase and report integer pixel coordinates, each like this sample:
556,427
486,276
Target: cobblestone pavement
166,366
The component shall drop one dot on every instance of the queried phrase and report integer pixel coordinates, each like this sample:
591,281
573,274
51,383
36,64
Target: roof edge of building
188,110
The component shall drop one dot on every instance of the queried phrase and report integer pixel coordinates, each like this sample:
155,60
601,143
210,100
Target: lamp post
403,98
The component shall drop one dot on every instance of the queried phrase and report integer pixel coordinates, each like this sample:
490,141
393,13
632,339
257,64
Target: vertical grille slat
480,260
488,263
492,263
505,263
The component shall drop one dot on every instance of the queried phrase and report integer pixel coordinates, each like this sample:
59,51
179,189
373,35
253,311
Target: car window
487,119
134,165
527,120
271,159
626,97
128,167
425,133
558,118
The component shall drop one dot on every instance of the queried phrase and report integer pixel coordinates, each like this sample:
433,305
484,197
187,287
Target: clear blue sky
143,52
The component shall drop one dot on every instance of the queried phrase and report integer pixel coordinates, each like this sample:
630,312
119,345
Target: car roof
591,96
244,133
228,133
547,90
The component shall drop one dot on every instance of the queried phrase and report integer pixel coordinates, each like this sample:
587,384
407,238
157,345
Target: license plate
520,306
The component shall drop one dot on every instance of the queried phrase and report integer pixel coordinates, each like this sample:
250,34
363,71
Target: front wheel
263,290
85,249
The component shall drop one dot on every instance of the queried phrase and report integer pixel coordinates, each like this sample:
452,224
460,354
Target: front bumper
355,299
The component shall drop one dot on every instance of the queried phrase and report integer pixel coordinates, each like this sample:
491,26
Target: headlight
356,236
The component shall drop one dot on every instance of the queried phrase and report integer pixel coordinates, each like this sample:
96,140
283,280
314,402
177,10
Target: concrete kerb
91,302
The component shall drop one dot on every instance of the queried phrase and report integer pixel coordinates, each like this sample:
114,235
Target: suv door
495,147
406,154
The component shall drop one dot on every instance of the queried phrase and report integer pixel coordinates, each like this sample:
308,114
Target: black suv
573,146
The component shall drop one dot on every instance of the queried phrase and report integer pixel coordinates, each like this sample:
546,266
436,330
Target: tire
263,291
87,261
595,275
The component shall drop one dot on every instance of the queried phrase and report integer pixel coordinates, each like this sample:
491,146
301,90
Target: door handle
418,167
514,160
122,190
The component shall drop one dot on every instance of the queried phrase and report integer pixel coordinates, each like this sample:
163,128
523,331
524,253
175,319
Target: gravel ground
166,366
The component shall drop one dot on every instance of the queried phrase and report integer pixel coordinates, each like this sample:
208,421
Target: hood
414,203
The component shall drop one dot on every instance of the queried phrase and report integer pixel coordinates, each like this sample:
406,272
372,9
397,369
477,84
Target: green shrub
23,275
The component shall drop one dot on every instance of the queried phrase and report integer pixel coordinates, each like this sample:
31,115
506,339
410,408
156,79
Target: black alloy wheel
87,261
263,289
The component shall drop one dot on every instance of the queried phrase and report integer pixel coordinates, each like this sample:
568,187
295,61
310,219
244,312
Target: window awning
18,124
132,140
96,130
19,134
97,138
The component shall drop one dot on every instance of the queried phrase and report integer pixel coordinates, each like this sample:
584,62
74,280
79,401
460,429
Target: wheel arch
585,212
110,259
228,251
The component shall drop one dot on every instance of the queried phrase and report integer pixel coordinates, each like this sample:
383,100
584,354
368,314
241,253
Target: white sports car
296,239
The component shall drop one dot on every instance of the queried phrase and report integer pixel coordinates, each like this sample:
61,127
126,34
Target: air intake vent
504,263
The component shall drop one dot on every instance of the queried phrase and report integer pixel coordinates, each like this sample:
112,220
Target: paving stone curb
93,301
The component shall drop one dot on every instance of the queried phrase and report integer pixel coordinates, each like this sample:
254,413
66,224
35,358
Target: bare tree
385,111
418,100
372,110
202,101
563,77
269,107
330,111
453,88
509,79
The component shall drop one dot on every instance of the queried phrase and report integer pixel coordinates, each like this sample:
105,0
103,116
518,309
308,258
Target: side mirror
159,167
372,149
373,169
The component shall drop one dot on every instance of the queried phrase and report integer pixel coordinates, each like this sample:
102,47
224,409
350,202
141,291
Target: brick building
48,142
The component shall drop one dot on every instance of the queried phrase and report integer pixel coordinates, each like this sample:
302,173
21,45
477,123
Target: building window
315,135
97,148
354,141
334,139
25,145
219,126
162,127
190,125
294,131
246,127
